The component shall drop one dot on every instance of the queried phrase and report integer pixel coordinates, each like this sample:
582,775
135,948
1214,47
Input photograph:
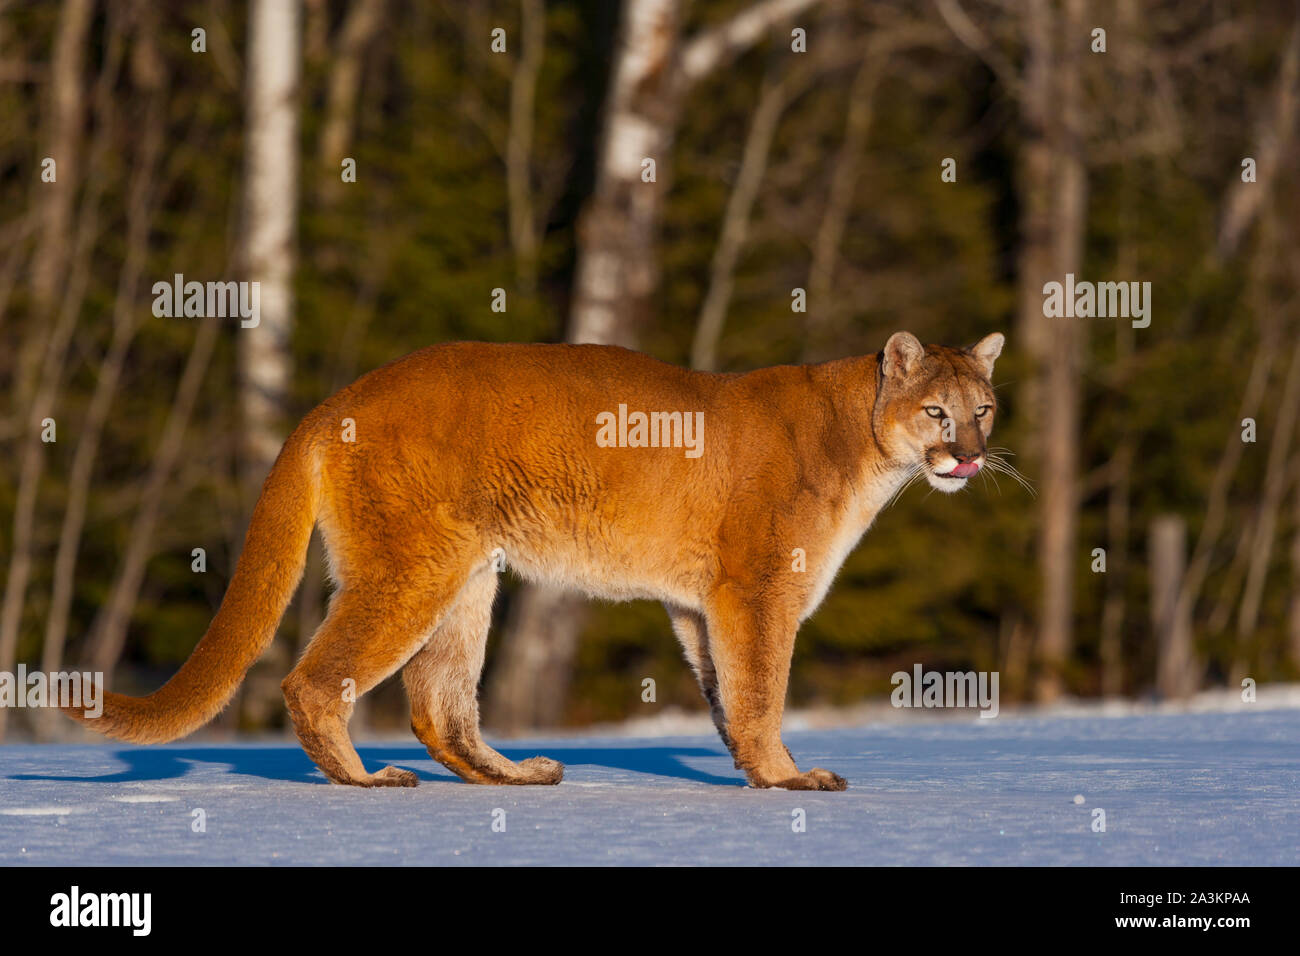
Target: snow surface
1177,789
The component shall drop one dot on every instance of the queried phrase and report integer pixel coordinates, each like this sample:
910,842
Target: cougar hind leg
442,683
692,632
367,635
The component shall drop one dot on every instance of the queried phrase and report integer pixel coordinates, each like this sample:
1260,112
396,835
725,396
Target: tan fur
466,448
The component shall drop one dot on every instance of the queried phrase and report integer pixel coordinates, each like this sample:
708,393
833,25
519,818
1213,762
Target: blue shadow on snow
292,764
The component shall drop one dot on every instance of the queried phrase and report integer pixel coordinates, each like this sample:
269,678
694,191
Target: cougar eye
982,411
934,411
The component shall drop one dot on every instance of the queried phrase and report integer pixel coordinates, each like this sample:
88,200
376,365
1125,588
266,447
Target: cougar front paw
814,779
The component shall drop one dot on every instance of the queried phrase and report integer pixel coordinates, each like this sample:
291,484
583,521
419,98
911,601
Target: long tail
268,572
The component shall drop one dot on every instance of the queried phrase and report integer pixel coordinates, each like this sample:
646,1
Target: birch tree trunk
615,279
617,269
271,185
270,214
616,274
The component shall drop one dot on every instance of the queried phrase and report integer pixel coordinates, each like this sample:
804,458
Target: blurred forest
797,145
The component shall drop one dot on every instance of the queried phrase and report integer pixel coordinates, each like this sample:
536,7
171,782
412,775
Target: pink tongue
965,469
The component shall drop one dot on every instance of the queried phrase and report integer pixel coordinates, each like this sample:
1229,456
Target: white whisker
998,464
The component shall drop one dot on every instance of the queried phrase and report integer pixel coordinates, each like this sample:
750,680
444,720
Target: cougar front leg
751,644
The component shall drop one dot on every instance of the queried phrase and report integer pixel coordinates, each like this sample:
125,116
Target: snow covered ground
1176,788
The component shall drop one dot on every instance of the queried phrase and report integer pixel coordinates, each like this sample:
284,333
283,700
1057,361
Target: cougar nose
966,458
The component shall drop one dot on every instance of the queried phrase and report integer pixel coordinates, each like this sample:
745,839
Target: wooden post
1171,625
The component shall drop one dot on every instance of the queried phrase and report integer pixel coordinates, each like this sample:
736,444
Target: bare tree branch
839,201
108,633
715,47
358,30
50,378
125,322
971,36
735,223
56,199
1275,476
519,144
1217,499
1244,200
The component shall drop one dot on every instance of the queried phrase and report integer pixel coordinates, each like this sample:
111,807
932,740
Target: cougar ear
902,353
986,351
